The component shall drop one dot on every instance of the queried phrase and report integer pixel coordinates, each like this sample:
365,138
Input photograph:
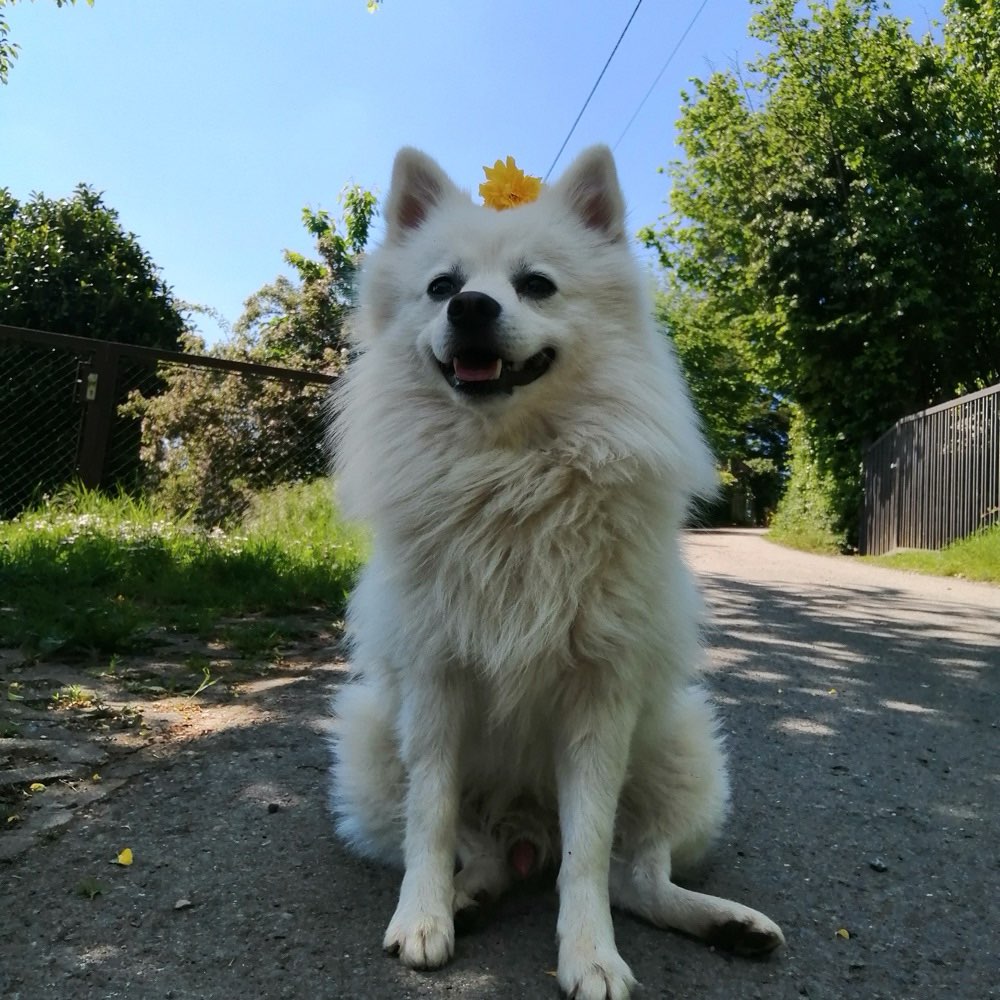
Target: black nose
472,311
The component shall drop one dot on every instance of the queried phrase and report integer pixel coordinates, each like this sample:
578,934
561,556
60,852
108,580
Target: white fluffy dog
525,634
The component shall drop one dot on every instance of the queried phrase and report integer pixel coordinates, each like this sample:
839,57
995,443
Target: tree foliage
806,518
67,265
300,320
838,209
211,438
9,49
746,424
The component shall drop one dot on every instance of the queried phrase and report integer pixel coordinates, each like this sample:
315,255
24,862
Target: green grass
976,557
89,573
806,537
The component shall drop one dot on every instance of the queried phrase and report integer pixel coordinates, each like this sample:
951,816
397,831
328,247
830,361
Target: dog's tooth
499,368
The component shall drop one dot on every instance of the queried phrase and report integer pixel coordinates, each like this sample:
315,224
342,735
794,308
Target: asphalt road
862,711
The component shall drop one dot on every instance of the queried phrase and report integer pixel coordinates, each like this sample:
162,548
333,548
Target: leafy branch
9,49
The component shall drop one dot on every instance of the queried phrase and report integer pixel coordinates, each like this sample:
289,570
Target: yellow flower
507,185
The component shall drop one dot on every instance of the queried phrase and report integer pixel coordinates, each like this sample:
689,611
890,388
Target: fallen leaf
844,933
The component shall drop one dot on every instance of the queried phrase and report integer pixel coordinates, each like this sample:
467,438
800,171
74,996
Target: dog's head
489,306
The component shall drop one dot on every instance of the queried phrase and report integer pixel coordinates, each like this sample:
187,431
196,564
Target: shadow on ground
863,722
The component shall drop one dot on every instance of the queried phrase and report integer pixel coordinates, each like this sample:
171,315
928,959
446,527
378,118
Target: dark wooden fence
61,400
934,476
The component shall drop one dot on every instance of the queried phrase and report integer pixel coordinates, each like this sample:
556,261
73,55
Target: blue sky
209,124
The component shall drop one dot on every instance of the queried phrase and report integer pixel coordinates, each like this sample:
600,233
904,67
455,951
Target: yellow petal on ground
36,786
95,777
125,856
844,933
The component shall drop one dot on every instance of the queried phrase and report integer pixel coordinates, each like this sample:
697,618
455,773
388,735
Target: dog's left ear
590,187
418,184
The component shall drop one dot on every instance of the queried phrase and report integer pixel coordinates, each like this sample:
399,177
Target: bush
807,516
212,440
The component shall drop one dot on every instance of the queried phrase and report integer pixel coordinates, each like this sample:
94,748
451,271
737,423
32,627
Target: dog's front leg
422,929
591,757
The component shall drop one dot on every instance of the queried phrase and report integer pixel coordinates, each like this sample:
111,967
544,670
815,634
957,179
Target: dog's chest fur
528,566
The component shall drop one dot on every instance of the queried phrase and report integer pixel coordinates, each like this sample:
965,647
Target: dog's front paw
423,940
584,975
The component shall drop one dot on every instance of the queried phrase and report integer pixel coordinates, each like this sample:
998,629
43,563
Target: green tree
838,206
9,49
67,265
300,319
745,423
212,439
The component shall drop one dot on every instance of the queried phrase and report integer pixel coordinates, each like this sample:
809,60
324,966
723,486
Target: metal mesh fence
197,435
41,420
209,439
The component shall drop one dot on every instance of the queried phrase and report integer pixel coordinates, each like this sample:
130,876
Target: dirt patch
74,730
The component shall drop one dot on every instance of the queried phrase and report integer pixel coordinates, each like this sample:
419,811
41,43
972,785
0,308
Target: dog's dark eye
444,286
535,286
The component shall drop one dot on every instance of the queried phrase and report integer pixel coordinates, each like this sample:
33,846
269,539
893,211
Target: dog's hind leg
643,887
672,808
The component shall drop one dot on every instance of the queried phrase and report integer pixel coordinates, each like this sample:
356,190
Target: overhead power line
663,70
591,94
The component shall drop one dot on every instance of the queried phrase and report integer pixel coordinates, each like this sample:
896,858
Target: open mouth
477,374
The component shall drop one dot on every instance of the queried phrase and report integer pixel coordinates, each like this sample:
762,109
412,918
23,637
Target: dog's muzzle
476,367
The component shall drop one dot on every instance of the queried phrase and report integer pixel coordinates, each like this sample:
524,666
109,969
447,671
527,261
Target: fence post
99,386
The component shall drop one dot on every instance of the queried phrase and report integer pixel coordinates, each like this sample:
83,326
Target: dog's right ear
418,185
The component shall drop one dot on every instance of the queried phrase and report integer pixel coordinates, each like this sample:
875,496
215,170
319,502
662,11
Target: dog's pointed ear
590,187
418,184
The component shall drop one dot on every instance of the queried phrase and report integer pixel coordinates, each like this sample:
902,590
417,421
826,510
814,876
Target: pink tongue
477,373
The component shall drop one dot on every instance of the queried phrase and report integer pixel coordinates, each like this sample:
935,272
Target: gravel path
862,710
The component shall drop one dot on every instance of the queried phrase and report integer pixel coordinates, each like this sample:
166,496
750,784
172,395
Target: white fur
525,634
